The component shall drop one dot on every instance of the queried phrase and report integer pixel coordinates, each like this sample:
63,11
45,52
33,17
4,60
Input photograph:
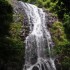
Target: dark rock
35,68
57,64
34,59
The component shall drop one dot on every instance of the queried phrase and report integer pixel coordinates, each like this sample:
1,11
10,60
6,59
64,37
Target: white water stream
38,42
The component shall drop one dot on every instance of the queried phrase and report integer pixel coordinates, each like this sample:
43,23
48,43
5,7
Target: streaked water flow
38,42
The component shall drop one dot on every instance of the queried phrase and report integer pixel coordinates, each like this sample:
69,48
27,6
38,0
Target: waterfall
38,42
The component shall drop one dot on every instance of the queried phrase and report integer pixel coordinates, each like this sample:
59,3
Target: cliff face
22,17
18,9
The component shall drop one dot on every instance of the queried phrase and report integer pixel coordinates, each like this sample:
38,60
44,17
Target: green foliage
17,46
9,1
61,7
6,12
11,46
62,45
63,51
5,17
5,20
58,34
66,23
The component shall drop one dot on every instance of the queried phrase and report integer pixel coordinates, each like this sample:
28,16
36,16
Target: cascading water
38,42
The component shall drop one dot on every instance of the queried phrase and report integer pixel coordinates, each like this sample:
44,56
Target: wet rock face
18,9
34,59
57,64
35,68
24,32
25,26
51,18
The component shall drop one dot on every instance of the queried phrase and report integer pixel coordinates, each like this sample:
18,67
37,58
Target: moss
9,1
57,32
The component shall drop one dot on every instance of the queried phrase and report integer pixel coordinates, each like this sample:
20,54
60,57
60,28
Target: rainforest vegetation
11,45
